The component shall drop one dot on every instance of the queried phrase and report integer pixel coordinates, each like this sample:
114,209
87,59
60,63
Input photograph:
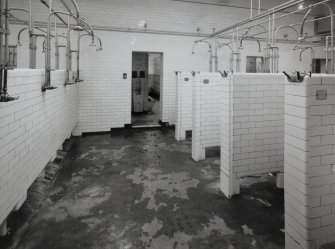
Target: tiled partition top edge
29,72
316,79
259,75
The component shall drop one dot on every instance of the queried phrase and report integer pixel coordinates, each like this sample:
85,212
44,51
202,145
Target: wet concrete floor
141,189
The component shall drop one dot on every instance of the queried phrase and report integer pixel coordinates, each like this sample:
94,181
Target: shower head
78,28
92,43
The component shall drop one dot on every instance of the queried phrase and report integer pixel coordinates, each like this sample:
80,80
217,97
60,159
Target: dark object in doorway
154,94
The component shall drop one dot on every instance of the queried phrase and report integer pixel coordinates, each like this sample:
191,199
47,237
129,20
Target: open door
146,86
139,82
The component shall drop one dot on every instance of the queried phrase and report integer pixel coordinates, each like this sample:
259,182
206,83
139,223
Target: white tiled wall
105,98
256,132
183,104
227,182
309,163
258,123
32,128
207,91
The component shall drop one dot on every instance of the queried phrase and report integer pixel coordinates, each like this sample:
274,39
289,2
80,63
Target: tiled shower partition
183,104
207,94
309,162
252,128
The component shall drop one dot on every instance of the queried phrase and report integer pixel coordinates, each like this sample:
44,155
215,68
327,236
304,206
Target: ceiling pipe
262,15
258,25
301,38
52,10
69,9
280,17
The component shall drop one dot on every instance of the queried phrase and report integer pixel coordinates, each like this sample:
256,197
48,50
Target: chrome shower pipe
78,46
253,38
69,53
216,58
327,48
86,23
227,45
210,52
32,38
57,46
331,32
6,46
19,36
284,26
284,15
99,48
100,42
52,10
312,56
69,9
220,45
257,25
4,97
77,13
68,56
47,82
301,37
1,53
262,15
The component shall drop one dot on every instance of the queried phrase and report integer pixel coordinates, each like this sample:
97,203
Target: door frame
161,81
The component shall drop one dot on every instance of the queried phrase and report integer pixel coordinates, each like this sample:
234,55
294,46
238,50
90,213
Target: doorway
146,89
254,64
320,65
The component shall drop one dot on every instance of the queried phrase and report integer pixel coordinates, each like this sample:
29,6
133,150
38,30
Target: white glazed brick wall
258,123
105,98
252,128
206,115
31,130
183,104
227,182
309,163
